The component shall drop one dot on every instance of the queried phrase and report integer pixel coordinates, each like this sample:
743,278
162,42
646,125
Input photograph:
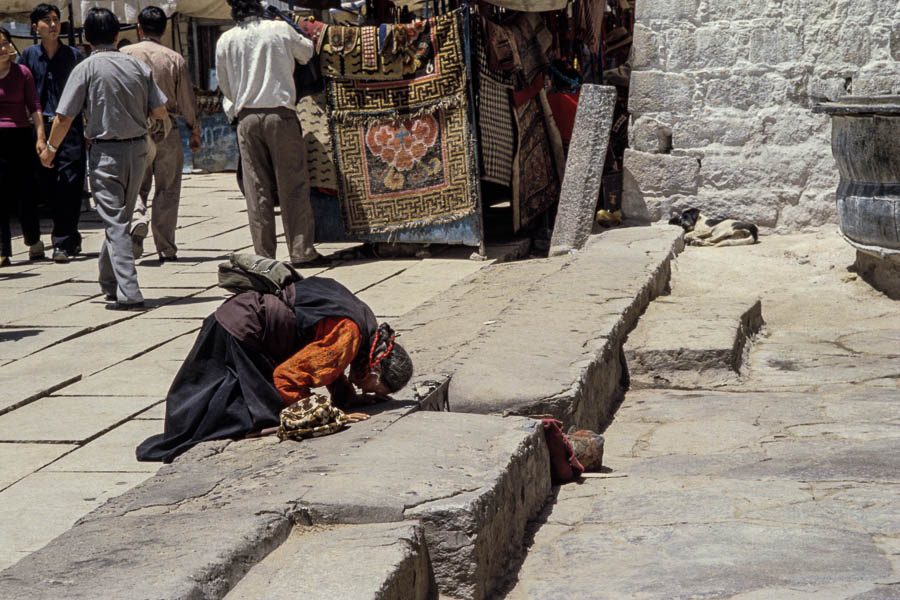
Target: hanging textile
311,111
540,161
497,138
404,149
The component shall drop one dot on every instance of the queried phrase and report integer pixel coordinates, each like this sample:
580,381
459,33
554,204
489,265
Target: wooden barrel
865,141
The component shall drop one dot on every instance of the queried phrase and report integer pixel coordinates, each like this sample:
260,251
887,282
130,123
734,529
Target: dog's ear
675,220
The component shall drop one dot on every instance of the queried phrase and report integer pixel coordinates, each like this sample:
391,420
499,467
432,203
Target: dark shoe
4,261
109,297
60,256
317,262
129,306
165,259
36,250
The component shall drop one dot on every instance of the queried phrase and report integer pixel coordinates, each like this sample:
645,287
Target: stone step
384,561
685,341
200,524
544,336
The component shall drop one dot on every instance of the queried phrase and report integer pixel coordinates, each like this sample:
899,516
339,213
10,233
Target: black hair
152,20
396,369
245,9
5,33
42,10
101,27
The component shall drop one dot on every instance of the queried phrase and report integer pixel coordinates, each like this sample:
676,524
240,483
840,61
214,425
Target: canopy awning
126,10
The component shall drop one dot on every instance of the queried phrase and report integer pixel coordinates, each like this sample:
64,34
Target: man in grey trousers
116,93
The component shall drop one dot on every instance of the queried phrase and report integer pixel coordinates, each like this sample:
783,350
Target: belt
134,139
284,111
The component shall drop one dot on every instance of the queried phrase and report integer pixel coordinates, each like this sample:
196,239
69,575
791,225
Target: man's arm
302,48
223,79
159,113
187,104
58,132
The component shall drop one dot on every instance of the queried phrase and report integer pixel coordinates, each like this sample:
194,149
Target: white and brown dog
701,231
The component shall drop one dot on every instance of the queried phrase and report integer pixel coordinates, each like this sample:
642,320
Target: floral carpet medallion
404,149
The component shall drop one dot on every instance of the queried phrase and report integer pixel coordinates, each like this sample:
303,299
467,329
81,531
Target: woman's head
7,50
389,367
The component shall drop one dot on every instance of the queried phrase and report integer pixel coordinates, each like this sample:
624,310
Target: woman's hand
356,417
41,146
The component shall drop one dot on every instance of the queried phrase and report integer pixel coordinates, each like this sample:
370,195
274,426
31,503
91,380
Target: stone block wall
720,97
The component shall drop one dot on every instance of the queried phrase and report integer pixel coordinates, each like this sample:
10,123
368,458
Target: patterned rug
319,151
404,149
539,163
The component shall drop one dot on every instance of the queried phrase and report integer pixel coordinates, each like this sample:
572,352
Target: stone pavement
781,482
82,386
470,482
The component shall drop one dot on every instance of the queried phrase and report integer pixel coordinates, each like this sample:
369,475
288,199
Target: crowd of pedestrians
110,116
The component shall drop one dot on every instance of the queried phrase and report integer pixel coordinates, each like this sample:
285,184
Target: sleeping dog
700,231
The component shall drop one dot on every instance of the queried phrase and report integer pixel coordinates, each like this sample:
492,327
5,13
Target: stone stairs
408,500
688,342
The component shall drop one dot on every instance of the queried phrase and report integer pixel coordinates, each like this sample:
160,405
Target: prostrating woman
259,353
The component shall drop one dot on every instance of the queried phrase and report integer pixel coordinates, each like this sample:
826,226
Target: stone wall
721,92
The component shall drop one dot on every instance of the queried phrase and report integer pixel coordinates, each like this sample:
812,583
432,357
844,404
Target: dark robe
224,388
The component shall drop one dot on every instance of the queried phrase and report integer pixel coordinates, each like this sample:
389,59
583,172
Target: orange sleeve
320,362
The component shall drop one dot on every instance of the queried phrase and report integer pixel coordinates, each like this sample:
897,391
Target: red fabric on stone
564,467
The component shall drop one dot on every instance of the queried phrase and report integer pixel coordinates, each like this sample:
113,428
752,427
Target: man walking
51,63
116,93
165,156
254,67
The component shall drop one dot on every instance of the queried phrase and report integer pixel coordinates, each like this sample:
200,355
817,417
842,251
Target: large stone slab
52,503
556,348
584,168
20,460
85,417
26,380
472,481
685,341
388,561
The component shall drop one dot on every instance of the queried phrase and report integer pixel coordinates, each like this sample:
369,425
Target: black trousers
60,188
17,153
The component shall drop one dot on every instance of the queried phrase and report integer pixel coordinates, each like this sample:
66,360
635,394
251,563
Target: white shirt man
255,63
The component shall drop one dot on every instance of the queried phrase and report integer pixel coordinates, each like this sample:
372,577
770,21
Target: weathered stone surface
690,335
584,168
740,72
748,494
662,173
572,369
386,561
882,273
656,91
494,476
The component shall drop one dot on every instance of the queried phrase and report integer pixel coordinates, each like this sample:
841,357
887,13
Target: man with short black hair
116,93
51,62
254,67
165,155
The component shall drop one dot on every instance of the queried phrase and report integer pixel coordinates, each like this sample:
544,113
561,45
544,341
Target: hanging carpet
540,161
403,149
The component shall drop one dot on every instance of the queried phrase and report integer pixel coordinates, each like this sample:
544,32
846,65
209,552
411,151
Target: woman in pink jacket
18,103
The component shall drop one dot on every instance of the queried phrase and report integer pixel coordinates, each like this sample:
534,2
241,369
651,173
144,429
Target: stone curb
684,342
197,527
557,351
